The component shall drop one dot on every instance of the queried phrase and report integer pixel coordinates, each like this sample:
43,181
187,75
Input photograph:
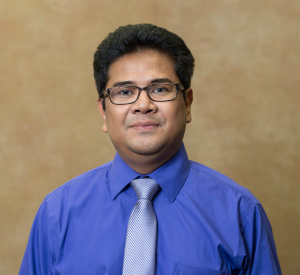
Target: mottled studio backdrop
245,112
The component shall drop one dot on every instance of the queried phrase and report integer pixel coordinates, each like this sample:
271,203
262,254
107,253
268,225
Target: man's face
145,128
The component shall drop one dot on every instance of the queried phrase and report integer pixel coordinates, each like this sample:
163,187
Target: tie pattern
140,246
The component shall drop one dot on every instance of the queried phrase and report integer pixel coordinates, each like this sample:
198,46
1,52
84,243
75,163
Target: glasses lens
162,92
123,95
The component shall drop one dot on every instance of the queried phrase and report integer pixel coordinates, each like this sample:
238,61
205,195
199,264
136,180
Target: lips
144,125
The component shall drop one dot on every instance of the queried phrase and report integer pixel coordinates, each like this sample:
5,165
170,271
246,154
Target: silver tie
140,246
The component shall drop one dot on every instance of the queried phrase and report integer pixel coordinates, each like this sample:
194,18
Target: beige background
245,114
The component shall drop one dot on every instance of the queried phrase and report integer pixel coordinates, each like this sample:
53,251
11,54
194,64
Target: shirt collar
171,176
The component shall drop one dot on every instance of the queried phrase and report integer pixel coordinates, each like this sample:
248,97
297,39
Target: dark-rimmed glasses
157,92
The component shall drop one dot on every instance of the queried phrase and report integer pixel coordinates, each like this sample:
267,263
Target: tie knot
145,188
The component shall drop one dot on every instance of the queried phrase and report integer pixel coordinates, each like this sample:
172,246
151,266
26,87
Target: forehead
141,68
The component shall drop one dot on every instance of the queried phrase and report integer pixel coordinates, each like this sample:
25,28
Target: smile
145,126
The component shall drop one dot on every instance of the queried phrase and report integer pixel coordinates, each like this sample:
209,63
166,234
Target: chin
146,148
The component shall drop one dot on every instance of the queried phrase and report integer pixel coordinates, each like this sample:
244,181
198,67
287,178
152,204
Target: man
150,210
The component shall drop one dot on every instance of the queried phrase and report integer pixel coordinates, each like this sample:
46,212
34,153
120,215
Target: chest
189,241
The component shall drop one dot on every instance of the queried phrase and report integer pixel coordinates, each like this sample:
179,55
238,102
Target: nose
144,104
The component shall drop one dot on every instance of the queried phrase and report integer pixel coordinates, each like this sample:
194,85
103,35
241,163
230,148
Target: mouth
144,126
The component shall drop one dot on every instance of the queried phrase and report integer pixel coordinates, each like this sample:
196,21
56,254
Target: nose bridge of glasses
146,89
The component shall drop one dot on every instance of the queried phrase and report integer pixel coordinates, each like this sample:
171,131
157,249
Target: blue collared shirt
207,224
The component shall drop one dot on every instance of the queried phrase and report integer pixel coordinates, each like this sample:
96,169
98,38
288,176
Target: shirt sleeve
38,259
259,243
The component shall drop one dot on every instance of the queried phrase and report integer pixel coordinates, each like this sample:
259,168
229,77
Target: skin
146,134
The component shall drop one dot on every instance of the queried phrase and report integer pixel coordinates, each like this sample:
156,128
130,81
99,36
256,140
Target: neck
146,164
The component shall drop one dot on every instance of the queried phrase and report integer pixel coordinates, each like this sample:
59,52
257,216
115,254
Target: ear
100,108
188,103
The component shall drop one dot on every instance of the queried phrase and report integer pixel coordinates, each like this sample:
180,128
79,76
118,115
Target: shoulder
80,185
223,182
218,190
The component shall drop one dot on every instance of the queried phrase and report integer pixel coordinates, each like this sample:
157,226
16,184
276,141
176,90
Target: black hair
132,38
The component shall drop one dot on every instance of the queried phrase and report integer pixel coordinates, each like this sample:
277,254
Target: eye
124,92
160,89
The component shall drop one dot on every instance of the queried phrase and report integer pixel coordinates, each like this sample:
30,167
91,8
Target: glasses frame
178,86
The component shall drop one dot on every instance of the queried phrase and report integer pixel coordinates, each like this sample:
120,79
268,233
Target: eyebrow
128,82
161,80
122,83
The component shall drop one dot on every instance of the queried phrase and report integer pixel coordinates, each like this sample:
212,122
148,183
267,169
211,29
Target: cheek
115,118
175,114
